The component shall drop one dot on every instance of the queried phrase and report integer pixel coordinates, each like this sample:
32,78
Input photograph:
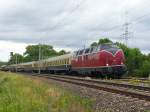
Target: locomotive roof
110,43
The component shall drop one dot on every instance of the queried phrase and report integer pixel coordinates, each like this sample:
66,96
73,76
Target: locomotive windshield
108,46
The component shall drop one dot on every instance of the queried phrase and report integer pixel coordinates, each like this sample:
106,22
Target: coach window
63,61
68,61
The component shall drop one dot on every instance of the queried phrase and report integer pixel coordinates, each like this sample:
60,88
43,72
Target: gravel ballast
104,101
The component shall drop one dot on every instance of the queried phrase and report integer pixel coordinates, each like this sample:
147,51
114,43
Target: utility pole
126,29
39,58
126,33
16,62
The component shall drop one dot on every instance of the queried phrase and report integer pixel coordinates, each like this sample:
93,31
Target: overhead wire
59,23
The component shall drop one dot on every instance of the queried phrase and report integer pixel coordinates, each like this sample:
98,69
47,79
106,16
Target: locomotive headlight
121,63
107,64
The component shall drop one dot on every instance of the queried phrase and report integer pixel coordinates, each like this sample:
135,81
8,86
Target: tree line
32,54
138,64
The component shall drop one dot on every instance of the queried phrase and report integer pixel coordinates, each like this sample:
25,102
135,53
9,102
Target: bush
145,69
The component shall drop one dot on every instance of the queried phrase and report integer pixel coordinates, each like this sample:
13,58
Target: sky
72,24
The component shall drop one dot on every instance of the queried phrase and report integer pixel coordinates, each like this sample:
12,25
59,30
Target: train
105,60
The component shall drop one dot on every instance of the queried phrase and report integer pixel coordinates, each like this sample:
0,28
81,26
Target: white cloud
71,24
7,47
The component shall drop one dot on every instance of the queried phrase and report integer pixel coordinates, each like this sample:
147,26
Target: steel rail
145,88
138,95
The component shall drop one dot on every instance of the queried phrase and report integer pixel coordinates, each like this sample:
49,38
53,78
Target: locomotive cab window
81,52
87,50
93,49
75,53
96,49
108,46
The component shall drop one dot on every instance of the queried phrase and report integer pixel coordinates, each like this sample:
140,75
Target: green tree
94,44
16,58
145,69
104,40
124,48
32,52
3,63
101,41
62,52
134,60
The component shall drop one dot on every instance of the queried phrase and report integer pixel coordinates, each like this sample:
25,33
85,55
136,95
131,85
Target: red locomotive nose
102,59
111,55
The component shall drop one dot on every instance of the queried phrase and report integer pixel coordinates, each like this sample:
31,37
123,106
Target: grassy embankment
20,94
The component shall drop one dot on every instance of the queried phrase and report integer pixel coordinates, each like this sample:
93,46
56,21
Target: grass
139,82
132,81
21,94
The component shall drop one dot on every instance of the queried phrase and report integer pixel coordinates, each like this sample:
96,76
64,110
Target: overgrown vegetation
2,63
20,94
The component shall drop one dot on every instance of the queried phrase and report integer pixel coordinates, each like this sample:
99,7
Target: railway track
142,93
142,88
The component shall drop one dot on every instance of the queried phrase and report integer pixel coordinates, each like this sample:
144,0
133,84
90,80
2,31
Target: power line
126,29
70,13
126,26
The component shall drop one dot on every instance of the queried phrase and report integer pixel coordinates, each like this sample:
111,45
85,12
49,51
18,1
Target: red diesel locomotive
106,60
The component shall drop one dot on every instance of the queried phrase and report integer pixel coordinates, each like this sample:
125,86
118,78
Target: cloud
7,47
74,23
